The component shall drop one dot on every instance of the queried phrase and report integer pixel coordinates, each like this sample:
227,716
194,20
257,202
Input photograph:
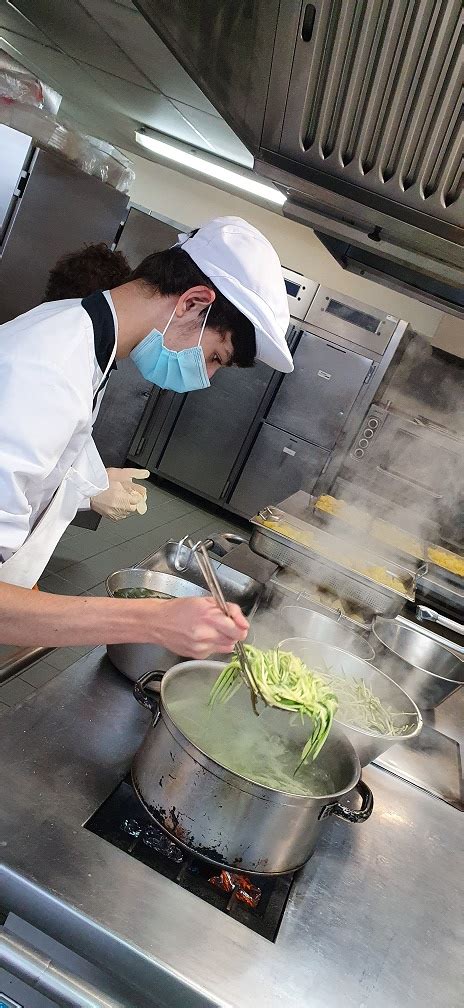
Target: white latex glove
122,497
126,476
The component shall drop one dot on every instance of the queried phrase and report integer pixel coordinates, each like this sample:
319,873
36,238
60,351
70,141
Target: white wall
175,195
449,335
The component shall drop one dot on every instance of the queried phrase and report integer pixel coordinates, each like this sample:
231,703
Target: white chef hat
245,267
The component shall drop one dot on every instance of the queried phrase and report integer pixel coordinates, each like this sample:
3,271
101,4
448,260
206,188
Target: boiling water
265,750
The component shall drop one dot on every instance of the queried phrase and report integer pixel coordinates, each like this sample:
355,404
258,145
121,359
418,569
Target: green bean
284,682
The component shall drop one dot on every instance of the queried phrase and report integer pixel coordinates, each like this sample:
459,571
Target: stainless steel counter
375,920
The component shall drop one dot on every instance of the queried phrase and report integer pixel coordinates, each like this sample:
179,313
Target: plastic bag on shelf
93,156
107,162
28,105
20,87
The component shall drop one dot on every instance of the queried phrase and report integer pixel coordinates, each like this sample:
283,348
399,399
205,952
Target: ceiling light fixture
212,169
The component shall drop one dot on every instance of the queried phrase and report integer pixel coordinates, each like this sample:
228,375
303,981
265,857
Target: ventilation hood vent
356,110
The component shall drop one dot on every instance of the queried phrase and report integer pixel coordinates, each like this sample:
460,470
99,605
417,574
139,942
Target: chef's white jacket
54,362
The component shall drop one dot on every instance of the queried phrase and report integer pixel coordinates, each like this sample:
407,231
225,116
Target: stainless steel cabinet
60,210
314,401
15,148
211,429
125,399
144,234
279,465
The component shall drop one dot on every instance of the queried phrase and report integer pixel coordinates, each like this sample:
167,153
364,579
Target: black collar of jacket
104,334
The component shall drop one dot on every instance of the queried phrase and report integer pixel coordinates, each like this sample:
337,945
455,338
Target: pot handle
144,698
223,542
429,615
352,815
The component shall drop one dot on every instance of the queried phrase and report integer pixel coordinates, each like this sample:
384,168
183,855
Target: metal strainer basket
326,563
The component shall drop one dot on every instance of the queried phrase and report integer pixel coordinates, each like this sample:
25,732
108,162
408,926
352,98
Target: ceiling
114,72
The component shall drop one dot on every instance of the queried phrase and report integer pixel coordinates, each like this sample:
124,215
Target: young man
216,299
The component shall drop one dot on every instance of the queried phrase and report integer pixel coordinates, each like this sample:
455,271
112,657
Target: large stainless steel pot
427,670
369,745
220,815
133,660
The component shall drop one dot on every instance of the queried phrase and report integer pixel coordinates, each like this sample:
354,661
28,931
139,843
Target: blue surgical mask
178,370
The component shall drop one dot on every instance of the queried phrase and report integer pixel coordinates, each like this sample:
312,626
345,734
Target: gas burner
239,885
258,902
152,837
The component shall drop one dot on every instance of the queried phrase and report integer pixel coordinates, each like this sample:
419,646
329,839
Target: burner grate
122,821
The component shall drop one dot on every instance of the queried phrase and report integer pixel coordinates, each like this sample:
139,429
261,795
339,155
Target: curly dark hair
92,268
172,271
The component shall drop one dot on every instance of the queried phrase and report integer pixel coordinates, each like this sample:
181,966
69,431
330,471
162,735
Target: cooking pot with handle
222,815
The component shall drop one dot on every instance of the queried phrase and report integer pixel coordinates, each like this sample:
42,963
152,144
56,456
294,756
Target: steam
270,626
428,385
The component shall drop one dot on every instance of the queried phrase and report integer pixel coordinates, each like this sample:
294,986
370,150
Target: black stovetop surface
257,901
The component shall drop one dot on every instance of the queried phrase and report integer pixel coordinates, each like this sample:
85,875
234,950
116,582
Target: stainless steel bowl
427,670
237,587
133,660
368,744
139,577
308,623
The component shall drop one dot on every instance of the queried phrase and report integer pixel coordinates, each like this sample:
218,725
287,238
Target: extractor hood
355,109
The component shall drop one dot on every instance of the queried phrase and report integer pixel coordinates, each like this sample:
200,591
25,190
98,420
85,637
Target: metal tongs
207,570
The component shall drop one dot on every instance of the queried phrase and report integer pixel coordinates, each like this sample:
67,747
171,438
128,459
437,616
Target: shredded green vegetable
287,683
360,708
140,593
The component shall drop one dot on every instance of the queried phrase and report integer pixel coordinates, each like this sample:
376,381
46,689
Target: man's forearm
45,620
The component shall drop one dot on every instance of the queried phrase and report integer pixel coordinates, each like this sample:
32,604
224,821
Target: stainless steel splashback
407,462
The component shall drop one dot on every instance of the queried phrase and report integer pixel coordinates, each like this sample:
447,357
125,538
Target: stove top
257,901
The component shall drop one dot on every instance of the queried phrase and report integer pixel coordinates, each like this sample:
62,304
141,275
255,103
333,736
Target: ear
194,301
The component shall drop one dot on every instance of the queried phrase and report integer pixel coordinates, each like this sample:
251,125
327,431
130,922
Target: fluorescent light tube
212,169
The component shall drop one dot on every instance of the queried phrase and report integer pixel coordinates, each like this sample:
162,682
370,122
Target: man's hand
122,497
196,627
